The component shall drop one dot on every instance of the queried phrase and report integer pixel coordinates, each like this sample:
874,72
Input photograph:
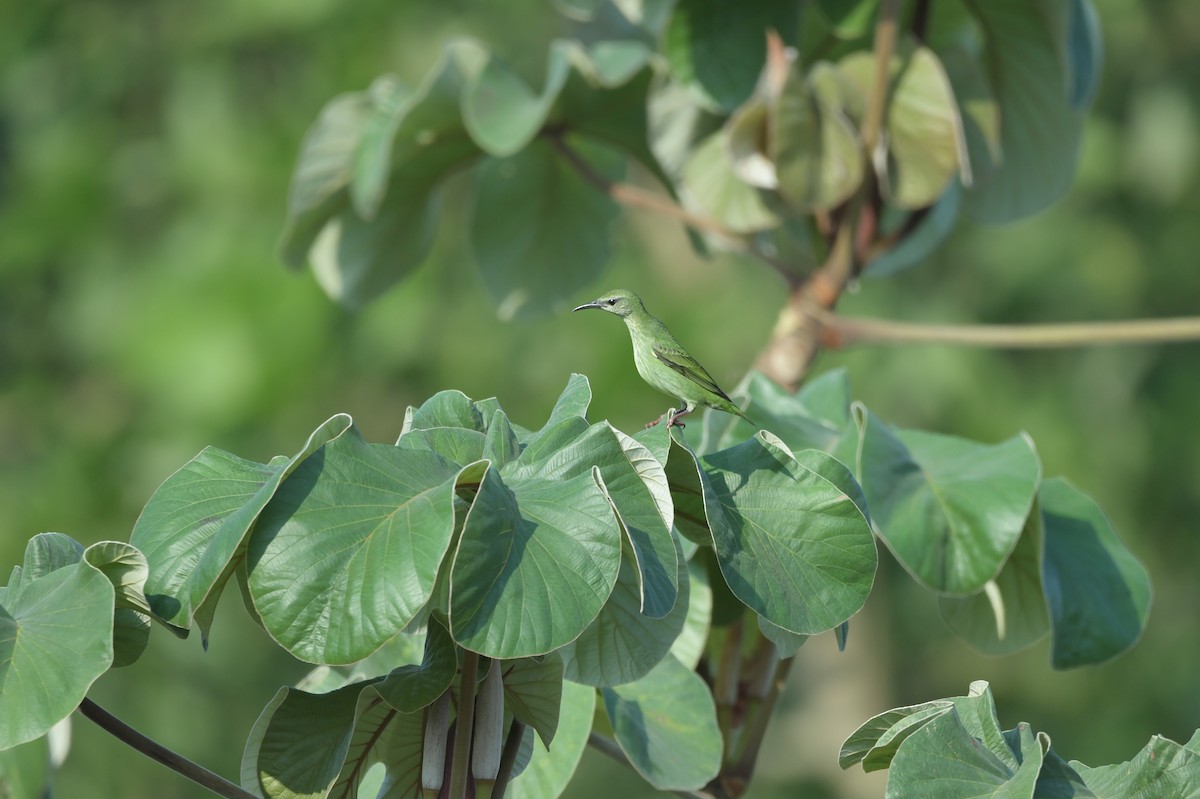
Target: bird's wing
686,365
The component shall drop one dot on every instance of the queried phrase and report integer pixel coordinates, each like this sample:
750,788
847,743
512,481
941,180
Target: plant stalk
156,751
460,769
508,758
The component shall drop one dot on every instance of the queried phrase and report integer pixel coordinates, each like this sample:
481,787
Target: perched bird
661,361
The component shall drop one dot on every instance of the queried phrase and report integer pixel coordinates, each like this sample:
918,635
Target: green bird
662,361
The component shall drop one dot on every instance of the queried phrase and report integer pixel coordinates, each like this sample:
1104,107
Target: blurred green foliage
144,156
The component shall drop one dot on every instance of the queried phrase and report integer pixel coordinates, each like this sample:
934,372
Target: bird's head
619,301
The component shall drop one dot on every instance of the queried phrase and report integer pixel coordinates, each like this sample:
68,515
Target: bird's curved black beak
586,305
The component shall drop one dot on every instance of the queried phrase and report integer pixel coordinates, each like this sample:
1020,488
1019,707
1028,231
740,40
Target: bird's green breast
653,370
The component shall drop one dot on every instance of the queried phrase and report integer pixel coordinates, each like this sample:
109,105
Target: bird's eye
612,301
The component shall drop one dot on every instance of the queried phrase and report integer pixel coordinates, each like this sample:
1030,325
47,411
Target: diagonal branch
156,751
633,197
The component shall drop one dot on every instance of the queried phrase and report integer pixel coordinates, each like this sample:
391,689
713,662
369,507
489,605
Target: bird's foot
676,423
652,424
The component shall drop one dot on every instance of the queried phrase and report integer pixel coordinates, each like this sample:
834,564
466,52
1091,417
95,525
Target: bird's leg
680,411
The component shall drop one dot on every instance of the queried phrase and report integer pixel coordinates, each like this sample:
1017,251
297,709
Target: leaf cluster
761,144
570,559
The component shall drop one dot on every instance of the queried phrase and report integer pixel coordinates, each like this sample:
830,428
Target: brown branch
797,337
885,45
840,331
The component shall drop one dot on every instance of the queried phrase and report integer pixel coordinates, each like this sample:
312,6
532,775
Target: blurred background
145,151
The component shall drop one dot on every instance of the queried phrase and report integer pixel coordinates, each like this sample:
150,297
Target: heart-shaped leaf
950,510
550,770
1040,128
791,533
536,561
538,230
666,724
1010,613
347,552
55,640
623,644
194,527
1097,592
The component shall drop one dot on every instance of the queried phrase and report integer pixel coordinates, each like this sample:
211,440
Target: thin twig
840,331
156,751
885,45
633,197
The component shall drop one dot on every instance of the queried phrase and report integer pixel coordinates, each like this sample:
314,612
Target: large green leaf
718,48
878,741
550,770
675,122
538,229
815,417
412,687
447,423
943,759
791,533
1162,768
385,748
323,172
1010,613
711,187
605,98
355,259
950,510
636,483
666,724
47,552
922,122
691,492
979,141
55,640
689,645
850,18
25,770
623,644
1085,52
388,99
1040,126
347,552
533,690
126,568
537,559
1097,592
501,112
1058,780
572,403
193,529
300,741
875,742
362,205
816,150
